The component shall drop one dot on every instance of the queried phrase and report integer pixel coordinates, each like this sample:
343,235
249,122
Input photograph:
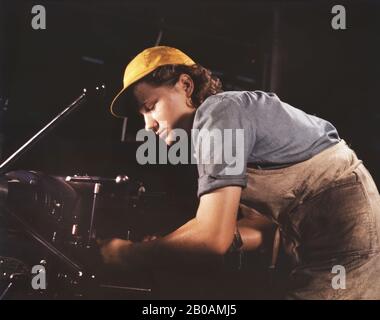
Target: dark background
288,47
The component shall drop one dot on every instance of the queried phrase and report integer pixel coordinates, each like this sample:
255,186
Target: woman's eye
151,107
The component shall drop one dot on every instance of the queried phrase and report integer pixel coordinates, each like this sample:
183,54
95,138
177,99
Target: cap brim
123,105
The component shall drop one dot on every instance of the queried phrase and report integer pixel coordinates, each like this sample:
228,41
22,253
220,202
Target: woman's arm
255,229
210,232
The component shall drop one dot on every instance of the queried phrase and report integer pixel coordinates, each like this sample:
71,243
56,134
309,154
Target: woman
297,174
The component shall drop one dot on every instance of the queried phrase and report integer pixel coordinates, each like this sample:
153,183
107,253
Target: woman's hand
150,238
115,251
255,230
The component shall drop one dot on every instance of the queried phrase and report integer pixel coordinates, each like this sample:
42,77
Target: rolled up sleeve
223,138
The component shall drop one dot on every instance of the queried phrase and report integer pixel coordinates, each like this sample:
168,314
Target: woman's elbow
219,247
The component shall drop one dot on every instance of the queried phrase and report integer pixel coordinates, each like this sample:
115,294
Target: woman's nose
150,123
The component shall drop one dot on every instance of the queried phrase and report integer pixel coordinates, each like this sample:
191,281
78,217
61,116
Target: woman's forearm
252,238
188,245
255,232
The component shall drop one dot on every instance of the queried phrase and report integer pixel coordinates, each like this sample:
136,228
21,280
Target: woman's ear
186,84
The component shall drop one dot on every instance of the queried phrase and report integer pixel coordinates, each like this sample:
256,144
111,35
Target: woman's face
166,108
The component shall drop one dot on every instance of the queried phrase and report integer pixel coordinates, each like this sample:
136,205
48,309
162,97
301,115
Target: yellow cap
144,63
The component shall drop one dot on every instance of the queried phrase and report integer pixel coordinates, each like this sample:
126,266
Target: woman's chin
168,141
169,137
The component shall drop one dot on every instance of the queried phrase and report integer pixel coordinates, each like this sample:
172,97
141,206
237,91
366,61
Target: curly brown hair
205,83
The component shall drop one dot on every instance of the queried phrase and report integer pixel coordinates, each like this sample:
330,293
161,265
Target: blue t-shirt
264,131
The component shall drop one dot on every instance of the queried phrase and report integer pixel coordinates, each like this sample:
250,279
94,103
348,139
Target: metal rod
126,288
50,126
93,210
40,134
4,293
47,245
124,130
